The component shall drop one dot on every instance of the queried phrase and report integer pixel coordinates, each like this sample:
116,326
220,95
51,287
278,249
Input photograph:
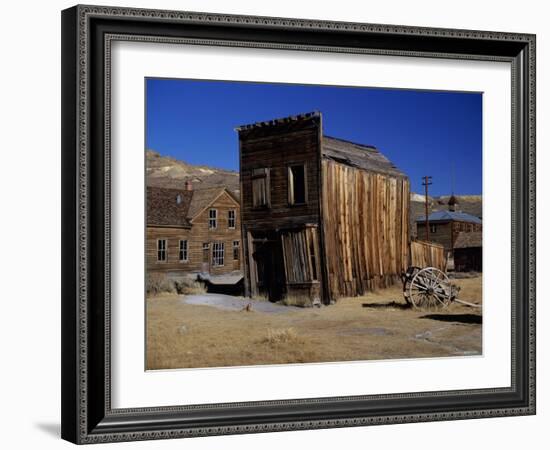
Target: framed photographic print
268,222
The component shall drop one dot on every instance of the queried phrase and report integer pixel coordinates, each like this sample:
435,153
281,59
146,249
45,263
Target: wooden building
468,252
322,217
445,227
193,231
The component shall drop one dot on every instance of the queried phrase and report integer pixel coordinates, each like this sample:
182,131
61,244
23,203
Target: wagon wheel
430,289
407,279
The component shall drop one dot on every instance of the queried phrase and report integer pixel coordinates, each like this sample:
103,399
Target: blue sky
421,132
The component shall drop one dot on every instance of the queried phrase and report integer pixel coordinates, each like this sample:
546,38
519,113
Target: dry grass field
375,326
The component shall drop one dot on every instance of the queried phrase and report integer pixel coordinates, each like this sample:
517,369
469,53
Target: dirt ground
376,326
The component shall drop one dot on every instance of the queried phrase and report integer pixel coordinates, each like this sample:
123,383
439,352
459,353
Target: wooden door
205,257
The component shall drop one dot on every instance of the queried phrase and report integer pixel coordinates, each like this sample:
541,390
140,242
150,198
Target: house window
297,191
236,250
179,199
212,218
433,228
161,250
231,219
260,188
218,250
184,247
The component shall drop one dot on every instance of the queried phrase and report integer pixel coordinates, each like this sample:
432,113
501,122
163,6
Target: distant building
447,226
322,217
468,252
193,231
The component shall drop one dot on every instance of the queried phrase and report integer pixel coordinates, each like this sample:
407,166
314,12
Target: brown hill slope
164,171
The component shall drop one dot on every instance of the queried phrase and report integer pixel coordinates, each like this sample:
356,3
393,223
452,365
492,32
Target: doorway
270,271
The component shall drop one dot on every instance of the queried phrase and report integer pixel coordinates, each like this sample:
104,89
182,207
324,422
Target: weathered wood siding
172,237
428,254
196,236
366,228
277,152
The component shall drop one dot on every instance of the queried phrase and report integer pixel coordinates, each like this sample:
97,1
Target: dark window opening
236,250
297,185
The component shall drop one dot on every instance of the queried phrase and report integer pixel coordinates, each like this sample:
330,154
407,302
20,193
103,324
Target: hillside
163,171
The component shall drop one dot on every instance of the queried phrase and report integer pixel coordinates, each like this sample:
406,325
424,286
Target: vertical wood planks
366,228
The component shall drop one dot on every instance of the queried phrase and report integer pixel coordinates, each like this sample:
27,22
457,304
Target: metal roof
448,216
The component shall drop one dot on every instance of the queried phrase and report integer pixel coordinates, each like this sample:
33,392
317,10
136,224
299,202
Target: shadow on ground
461,318
53,429
387,305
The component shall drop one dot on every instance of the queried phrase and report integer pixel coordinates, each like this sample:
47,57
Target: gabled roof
468,239
178,207
448,216
168,207
202,198
357,155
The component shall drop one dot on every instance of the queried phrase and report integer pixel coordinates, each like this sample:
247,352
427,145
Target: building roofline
367,147
223,190
279,121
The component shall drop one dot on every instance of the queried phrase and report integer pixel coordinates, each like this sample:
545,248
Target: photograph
296,223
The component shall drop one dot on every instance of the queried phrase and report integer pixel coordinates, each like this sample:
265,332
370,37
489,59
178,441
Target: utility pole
427,181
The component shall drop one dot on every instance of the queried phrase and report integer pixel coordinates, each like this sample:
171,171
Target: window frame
181,250
290,184
164,250
210,219
229,219
263,174
217,247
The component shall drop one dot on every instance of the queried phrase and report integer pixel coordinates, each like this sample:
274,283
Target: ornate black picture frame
87,33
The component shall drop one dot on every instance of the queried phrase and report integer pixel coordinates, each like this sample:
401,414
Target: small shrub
281,336
188,286
158,283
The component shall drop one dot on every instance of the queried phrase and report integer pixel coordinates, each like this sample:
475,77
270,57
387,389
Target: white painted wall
30,199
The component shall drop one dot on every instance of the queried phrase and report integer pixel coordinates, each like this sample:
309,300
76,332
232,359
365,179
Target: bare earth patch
182,334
